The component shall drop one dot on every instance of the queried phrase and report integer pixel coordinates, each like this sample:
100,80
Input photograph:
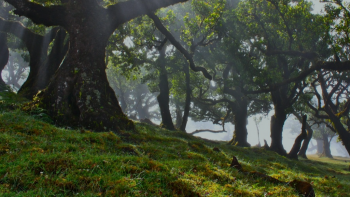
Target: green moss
39,159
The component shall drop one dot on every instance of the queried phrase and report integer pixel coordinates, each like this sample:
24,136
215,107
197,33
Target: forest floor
40,159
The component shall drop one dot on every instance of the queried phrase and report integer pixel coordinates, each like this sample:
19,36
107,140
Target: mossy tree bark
79,94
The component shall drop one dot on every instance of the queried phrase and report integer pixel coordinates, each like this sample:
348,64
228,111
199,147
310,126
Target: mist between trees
100,65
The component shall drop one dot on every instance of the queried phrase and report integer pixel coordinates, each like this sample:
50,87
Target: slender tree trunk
178,116
4,57
163,97
293,154
188,99
326,147
304,147
240,134
277,123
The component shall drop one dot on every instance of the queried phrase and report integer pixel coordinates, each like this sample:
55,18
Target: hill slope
39,159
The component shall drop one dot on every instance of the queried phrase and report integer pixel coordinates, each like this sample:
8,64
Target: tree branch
206,130
178,46
48,16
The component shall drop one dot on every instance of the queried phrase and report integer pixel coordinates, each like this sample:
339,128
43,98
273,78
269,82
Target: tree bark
4,57
187,101
277,123
79,94
240,134
305,145
163,97
293,154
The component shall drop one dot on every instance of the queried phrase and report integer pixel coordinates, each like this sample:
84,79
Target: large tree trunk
293,154
240,134
163,97
79,94
277,123
187,101
4,57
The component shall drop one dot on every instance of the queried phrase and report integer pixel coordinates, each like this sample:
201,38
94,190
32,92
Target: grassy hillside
39,159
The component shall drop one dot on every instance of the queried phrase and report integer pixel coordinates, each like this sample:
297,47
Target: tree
325,133
333,102
79,94
286,37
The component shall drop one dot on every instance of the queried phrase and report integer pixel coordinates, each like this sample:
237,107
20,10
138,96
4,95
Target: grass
39,159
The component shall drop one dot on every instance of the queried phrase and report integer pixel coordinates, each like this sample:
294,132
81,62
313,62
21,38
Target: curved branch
48,16
206,130
178,46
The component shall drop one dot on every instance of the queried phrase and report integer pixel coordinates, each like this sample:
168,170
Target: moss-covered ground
40,159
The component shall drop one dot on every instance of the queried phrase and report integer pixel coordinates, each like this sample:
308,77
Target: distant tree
333,102
16,70
324,132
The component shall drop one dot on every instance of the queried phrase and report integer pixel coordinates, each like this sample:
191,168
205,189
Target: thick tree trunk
326,147
188,100
4,57
80,95
293,154
163,97
240,134
277,123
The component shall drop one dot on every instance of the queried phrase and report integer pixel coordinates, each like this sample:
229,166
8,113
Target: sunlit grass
39,159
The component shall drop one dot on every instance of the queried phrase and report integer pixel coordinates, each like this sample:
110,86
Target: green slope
39,159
